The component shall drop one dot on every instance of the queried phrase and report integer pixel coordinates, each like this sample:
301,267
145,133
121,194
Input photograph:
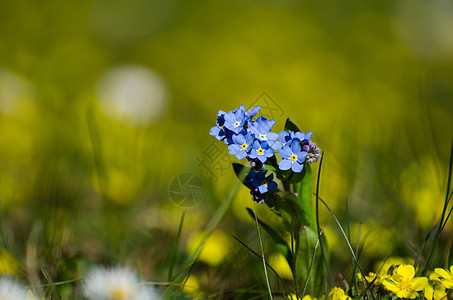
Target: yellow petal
389,285
429,291
442,273
419,283
433,277
407,294
406,271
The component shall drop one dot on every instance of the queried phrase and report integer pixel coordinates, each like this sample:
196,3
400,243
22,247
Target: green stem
262,256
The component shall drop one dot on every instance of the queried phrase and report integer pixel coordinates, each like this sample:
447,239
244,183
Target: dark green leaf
304,190
291,126
291,207
304,258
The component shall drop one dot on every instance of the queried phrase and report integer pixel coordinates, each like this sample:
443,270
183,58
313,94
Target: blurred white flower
15,92
10,290
116,284
132,94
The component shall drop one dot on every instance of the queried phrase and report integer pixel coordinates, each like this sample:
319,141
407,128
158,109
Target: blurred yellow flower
279,263
192,286
306,297
445,277
378,278
384,266
435,292
215,248
337,294
8,264
403,284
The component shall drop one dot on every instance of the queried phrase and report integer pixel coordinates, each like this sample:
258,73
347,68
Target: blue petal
241,155
268,152
238,139
285,164
256,144
272,185
276,145
282,136
272,136
264,145
285,152
296,167
230,117
240,115
249,138
262,189
214,131
271,124
262,158
253,130
308,135
253,111
252,174
301,156
295,147
299,135
234,149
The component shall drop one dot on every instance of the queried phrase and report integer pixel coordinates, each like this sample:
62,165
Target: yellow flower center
262,137
260,151
118,294
294,157
404,285
244,146
264,182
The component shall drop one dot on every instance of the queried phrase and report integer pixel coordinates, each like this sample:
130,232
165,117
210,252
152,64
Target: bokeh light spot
132,95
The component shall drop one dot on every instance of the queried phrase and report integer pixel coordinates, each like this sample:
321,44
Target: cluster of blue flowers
253,139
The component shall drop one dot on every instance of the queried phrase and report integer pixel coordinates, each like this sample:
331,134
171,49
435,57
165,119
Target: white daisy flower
10,290
116,284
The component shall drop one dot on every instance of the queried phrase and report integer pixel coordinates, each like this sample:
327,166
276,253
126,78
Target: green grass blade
218,215
323,251
310,268
175,247
278,240
348,243
442,217
262,256
53,284
354,270
268,265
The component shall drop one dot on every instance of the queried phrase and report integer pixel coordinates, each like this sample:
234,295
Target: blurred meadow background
104,103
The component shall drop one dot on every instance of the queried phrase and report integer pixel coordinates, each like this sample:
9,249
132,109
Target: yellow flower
306,297
337,294
279,263
378,278
403,284
445,277
435,292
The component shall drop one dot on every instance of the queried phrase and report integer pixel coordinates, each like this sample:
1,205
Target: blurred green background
103,103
